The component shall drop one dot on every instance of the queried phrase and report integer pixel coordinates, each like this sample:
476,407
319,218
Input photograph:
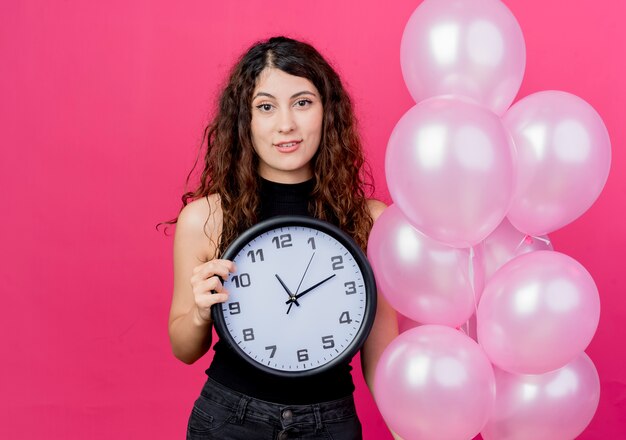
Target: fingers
205,301
211,284
219,297
207,287
221,268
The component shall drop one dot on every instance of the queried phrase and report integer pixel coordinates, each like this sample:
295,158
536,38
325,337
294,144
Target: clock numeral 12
303,355
242,280
258,252
337,262
345,318
273,348
328,341
248,334
283,241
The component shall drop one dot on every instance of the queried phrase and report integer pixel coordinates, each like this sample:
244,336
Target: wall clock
303,298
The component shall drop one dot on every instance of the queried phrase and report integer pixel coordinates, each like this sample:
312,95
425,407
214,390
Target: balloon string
470,271
534,237
521,242
545,240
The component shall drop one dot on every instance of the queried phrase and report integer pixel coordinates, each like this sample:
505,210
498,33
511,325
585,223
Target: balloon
422,279
564,156
473,48
537,313
505,243
433,382
450,169
553,406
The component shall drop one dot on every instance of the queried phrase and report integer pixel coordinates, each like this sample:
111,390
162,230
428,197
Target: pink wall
102,105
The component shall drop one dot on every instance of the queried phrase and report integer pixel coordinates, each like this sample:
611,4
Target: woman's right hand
206,278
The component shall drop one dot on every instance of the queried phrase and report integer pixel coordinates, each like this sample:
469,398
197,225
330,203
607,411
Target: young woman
284,141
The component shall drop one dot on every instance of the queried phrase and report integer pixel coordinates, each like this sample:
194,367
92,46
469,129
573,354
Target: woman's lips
288,147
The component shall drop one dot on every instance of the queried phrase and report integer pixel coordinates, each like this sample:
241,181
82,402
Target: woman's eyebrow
295,95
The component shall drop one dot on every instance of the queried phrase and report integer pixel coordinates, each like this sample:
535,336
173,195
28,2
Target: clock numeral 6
252,255
328,341
283,241
248,334
234,308
345,318
273,348
303,355
350,287
241,280
337,261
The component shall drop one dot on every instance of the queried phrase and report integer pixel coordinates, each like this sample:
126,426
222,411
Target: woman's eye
303,102
264,107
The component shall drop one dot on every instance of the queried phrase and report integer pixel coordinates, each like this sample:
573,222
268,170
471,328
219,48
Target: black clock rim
233,249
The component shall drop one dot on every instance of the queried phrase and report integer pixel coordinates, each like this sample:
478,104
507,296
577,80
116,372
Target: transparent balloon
537,313
423,279
473,48
563,160
433,382
450,169
553,406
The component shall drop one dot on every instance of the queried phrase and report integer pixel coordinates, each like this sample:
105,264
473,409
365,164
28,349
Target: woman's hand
206,279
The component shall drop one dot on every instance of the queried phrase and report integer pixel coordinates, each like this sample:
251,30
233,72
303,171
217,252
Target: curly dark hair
230,163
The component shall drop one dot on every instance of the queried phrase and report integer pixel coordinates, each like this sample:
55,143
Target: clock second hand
294,298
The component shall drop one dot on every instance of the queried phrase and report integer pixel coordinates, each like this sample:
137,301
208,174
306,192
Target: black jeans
221,413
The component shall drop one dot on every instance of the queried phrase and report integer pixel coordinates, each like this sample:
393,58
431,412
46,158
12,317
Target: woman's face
286,125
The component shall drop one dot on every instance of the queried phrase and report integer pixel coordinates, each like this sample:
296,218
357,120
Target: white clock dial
300,299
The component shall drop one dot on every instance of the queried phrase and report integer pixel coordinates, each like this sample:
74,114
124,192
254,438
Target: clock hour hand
291,295
309,289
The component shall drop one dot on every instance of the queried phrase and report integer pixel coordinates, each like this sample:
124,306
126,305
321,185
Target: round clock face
303,297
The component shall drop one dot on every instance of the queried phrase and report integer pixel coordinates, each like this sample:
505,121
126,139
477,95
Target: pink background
102,106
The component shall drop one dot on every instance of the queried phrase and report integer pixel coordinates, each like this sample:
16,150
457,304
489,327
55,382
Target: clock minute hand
311,288
291,295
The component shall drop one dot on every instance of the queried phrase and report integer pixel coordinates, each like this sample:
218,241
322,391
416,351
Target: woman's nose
286,122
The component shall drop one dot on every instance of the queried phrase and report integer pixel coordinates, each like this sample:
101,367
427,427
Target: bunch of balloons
477,185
